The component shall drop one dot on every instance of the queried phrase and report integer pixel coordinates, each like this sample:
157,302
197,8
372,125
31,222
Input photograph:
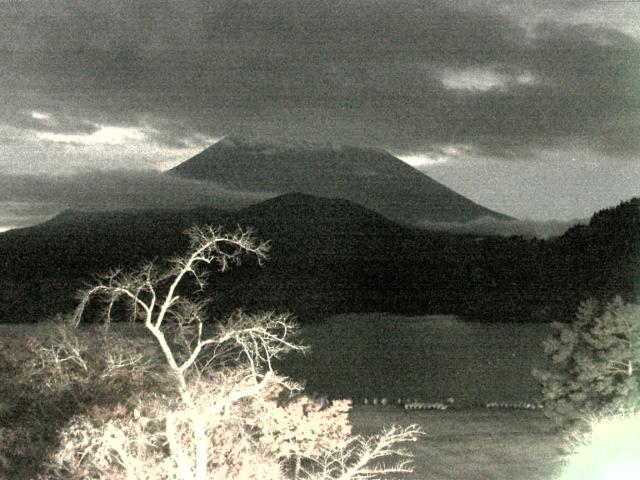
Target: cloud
30,199
422,159
118,189
40,115
613,15
65,144
483,79
437,154
555,184
16,214
491,226
103,135
407,75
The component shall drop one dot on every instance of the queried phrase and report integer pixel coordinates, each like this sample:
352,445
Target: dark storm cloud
407,75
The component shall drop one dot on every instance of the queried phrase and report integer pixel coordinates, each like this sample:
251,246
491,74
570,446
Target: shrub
48,377
608,449
594,362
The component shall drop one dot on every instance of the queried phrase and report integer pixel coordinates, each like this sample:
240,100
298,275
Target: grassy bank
473,444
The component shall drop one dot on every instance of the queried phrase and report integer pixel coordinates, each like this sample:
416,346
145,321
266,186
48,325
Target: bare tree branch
219,373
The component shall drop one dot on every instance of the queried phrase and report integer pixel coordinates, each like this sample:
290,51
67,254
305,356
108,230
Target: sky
529,108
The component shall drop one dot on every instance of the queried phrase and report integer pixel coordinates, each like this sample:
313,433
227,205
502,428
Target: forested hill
602,258
330,256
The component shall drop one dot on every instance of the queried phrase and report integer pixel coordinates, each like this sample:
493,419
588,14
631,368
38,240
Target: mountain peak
272,146
369,176
234,141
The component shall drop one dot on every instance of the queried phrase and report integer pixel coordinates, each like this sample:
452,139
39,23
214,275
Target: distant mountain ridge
321,250
333,256
371,177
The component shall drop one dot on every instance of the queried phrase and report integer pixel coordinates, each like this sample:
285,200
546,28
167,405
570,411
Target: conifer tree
595,361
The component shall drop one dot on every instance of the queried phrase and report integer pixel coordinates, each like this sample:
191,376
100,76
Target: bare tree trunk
296,471
200,436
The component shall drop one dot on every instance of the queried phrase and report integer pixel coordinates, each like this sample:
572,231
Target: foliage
50,376
295,425
610,448
595,361
222,411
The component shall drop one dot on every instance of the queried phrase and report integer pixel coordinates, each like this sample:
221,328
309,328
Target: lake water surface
429,357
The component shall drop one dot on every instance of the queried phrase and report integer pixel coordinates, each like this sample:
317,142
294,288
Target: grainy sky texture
531,108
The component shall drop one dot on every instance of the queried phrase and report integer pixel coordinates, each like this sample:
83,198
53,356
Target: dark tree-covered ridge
332,256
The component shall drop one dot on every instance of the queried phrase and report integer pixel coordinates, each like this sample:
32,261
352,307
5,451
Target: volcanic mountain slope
370,177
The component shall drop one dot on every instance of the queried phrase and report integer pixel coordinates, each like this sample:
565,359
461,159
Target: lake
428,357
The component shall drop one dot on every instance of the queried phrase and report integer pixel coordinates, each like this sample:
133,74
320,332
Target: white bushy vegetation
592,390
594,362
609,449
218,409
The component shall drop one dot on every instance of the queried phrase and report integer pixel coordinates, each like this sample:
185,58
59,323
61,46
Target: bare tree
227,390
154,296
360,458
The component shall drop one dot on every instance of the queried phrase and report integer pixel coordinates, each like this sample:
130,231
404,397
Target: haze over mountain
31,199
368,176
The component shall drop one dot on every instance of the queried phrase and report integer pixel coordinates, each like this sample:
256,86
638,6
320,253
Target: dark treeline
333,256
